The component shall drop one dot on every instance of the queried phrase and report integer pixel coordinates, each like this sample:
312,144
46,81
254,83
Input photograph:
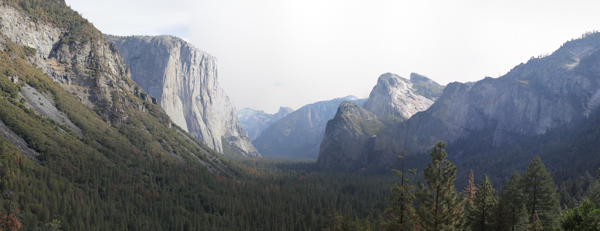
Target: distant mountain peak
395,96
254,122
184,79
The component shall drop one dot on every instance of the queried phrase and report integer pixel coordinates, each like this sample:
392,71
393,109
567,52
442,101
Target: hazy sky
290,53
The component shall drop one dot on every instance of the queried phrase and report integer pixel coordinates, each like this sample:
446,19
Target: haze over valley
202,115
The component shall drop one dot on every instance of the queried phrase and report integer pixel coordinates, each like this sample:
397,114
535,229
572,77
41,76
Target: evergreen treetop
441,206
540,194
481,213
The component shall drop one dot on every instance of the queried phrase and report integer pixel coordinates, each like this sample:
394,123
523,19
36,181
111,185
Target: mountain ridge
184,80
254,122
299,134
546,92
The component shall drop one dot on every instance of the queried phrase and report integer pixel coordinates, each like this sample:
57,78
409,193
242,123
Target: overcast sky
291,53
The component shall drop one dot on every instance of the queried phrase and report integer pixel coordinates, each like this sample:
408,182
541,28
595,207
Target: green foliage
536,223
583,217
426,87
513,198
401,213
29,51
125,176
347,223
441,206
540,194
594,193
481,212
568,153
54,225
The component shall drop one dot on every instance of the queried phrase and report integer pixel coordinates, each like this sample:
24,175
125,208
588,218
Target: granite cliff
254,122
70,93
78,58
300,133
560,89
350,136
395,96
184,81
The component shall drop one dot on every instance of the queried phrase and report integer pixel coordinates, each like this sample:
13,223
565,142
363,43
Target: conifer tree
536,223
594,191
471,188
540,194
481,214
513,198
501,216
401,201
583,217
523,219
441,206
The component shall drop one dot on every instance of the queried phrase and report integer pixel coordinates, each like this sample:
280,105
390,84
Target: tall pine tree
513,198
441,206
401,208
471,189
481,213
540,194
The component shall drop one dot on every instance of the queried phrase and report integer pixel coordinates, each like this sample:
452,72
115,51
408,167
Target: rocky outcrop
76,56
254,122
300,133
395,96
557,90
86,66
184,81
426,87
348,138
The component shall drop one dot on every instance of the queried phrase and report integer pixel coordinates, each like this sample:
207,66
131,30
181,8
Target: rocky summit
184,81
300,133
560,89
395,96
350,136
254,122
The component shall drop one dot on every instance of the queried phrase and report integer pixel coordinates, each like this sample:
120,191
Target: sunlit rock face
546,92
395,96
184,80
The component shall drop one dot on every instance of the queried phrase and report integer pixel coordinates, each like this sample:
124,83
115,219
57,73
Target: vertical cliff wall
184,81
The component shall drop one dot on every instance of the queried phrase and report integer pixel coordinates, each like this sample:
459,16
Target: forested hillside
82,147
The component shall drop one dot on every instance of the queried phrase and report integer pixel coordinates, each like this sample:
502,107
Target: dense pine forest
118,176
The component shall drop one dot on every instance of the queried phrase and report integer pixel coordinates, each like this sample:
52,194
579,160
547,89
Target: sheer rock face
92,70
395,96
349,139
184,80
346,141
300,133
546,92
254,122
561,89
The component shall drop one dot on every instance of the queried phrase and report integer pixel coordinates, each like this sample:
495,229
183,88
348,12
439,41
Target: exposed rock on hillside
300,133
395,96
254,122
89,68
425,86
348,138
51,40
546,92
184,80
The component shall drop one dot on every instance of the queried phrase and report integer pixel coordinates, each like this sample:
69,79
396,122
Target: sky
274,53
